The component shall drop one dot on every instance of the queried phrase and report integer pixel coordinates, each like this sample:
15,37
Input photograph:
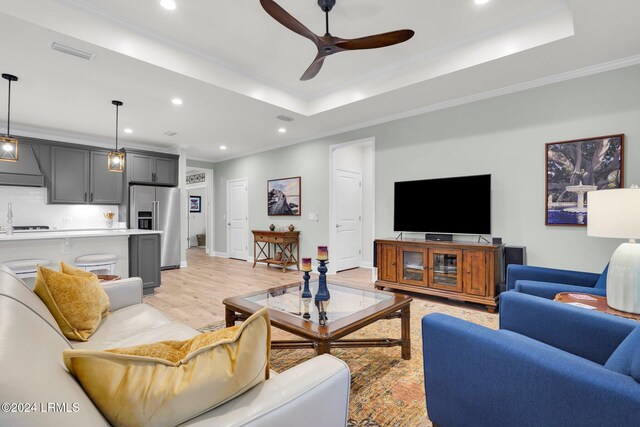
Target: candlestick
306,293
306,264
323,253
323,290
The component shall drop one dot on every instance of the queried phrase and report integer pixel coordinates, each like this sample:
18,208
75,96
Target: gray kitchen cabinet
150,169
69,182
105,186
144,260
80,176
139,167
166,171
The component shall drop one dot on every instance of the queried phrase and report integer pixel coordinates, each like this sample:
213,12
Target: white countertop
74,234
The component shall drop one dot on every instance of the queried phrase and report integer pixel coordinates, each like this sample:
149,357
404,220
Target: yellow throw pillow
67,269
170,382
77,303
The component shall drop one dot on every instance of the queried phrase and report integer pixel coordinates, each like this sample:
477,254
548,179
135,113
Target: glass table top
343,302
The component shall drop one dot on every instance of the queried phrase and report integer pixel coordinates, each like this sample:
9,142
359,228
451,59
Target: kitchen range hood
25,172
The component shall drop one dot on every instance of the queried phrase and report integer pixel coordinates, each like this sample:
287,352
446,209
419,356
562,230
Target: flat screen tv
459,205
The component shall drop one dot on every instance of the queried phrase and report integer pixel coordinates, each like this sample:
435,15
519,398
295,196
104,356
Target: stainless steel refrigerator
158,208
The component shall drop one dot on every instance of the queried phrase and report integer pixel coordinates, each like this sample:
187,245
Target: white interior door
348,214
238,219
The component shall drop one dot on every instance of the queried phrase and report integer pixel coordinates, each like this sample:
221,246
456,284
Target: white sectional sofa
32,374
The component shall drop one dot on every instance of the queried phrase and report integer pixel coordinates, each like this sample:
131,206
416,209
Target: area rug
385,389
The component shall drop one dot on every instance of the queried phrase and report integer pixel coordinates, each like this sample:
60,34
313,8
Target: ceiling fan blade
314,68
376,41
283,17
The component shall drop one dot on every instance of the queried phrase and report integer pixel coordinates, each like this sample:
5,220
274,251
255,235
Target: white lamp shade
614,213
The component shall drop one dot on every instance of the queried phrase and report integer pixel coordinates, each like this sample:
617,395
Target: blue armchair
550,364
547,282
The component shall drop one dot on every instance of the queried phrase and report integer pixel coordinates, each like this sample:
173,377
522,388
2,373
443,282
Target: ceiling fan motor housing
326,5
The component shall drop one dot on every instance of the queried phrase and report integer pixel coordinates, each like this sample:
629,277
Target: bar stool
97,263
25,268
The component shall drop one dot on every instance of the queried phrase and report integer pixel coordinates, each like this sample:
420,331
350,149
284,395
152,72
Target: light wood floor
194,295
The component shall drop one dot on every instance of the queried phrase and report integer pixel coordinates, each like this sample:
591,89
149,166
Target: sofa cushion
32,370
169,383
125,323
67,269
602,280
77,303
626,358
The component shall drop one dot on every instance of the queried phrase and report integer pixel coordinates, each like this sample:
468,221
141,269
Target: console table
455,270
268,244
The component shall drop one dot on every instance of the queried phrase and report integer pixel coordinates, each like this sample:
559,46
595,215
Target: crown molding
83,138
520,87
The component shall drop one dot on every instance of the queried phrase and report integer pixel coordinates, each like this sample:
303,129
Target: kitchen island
67,245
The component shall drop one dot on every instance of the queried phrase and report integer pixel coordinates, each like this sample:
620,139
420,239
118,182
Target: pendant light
9,144
115,159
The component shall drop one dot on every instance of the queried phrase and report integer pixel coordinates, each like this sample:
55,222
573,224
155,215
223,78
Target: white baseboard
250,259
183,264
366,265
221,254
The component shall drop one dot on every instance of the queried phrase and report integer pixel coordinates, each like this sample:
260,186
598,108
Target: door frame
229,182
371,142
206,222
210,186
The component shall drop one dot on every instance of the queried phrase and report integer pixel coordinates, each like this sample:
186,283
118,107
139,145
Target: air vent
284,118
74,51
170,133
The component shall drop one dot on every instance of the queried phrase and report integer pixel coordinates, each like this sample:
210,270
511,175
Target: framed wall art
284,196
574,168
195,204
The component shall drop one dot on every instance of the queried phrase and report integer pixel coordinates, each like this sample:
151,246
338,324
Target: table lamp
616,214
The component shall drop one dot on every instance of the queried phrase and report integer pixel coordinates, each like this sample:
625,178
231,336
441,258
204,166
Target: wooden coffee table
324,324
596,301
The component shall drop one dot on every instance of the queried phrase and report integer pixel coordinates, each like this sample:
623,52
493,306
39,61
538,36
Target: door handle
91,197
85,197
154,215
338,225
157,214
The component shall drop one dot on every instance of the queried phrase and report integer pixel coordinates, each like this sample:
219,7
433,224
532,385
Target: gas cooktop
30,227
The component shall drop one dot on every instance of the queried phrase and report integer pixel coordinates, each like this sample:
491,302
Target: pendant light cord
9,111
117,109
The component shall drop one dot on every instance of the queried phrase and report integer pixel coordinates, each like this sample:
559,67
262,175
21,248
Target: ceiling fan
328,44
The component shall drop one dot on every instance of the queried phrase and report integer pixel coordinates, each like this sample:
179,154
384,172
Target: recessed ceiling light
223,147
176,101
282,130
479,2
128,130
168,4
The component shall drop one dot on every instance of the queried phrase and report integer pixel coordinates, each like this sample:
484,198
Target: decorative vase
291,227
272,227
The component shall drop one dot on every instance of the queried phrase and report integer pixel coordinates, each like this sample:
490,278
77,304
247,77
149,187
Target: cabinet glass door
445,270
412,264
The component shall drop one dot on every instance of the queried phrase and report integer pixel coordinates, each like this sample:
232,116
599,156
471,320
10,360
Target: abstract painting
195,204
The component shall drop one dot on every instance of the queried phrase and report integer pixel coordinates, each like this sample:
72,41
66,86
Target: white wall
503,136
30,208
